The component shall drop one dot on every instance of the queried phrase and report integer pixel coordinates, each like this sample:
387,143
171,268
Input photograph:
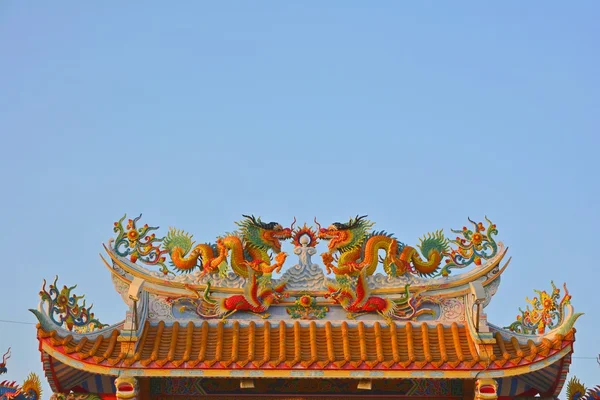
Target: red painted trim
56,382
57,385
558,377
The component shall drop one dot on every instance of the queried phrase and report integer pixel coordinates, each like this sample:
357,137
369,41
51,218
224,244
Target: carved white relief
159,308
453,310
305,275
490,291
121,288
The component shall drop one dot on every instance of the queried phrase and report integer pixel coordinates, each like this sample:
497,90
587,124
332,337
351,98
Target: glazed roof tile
229,345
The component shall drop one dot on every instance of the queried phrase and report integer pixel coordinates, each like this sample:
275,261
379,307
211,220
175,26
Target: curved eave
74,354
567,325
46,323
375,373
445,287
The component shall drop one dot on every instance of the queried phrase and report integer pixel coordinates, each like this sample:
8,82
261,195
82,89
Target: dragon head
345,236
263,235
127,387
486,389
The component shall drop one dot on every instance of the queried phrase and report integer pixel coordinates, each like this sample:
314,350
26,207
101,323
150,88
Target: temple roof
282,347
225,315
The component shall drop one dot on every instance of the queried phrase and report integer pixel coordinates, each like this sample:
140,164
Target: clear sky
418,114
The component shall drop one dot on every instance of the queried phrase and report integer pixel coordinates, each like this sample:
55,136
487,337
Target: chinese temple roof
230,309
280,349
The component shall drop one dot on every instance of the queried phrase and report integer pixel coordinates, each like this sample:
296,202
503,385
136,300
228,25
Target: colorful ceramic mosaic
547,312
358,249
577,391
64,308
352,245
139,243
377,317
257,298
306,308
472,246
31,389
356,299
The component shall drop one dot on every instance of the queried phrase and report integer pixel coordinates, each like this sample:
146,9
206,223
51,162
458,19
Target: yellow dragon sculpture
358,249
247,248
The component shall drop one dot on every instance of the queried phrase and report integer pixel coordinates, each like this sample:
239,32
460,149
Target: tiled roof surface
331,346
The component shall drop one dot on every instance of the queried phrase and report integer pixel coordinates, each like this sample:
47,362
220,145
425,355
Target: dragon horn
4,357
252,218
293,223
473,222
318,224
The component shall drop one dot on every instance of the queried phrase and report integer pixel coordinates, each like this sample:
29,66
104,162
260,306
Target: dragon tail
206,295
432,246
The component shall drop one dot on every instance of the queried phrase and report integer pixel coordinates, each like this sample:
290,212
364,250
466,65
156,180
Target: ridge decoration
547,312
257,298
577,391
64,310
250,246
358,301
31,389
352,246
305,307
5,357
139,243
472,247
358,249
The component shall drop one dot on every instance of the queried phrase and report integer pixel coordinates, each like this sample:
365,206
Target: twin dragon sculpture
352,245
254,253
353,253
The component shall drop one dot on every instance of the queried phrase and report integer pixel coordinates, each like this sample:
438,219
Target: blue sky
193,113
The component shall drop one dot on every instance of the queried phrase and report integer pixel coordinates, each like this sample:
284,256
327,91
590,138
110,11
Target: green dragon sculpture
358,249
249,247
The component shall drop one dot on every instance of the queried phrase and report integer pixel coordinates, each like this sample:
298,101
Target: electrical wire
6,321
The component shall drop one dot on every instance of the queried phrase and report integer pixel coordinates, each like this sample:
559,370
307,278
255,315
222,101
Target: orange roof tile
264,346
